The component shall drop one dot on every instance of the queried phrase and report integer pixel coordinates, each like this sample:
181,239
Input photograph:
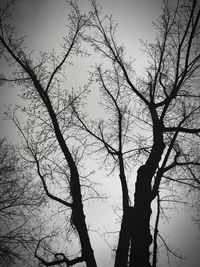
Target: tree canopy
147,132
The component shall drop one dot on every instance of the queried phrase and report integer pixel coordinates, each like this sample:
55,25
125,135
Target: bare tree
166,103
48,133
151,123
16,206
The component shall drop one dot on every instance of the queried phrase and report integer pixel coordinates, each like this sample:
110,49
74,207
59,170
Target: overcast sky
43,22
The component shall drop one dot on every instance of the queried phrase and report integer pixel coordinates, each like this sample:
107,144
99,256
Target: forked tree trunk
135,237
138,224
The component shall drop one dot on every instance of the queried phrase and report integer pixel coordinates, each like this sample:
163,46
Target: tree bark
141,238
122,252
155,245
78,220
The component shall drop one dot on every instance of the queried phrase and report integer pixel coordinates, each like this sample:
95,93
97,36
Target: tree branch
74,38
182,129
38,168
57,261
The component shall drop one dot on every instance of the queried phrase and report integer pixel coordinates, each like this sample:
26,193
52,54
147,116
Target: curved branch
57,261
109,148
108,41
38,169
73,41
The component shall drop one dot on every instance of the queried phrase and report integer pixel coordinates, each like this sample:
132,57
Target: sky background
43,22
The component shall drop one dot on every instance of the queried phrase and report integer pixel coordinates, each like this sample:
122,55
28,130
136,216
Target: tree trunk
121,259
78,219
135,229
141,238
155,245
122,252
135,234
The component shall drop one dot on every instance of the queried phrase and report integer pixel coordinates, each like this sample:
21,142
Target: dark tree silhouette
168,102
152,122
16,206
44,138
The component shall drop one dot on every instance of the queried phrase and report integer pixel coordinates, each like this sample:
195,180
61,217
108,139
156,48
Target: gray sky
43,22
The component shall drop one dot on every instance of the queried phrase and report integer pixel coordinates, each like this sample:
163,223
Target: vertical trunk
155,245
121,258
78,219
141,238
135,228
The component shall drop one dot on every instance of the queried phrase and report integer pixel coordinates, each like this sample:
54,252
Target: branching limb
42,177
80,23
57,261
194,176
108,147
115,52
181,181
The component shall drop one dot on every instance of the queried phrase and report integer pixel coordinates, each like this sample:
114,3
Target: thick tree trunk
141,238
78,219
121,259
135,235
